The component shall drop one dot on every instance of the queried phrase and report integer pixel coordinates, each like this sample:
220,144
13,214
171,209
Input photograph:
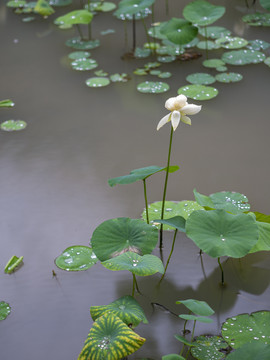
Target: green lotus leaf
229,42
244,328
177,222
76,258
13,125
6,103
154,72
140,72
229,77
203,13
75,17
230,201
79,55
200,78
142,53
257,19
28,19
43,8
202,319
214,32
126,308
173,357
198,92
267,61
208,347
265,4
119,77
110,339
5,310
152,87
243,57
154,31
103,6
251,351
263,243
179,31
84,64
197,307
16,3
115,236
60,2
140,174
79,44
172,209
138,265
107,32
132,7
221,68
183,340
13,263
203,200
258,45
218,233
213,63
166,59
207,45
165,75
97,82
262,217
101,73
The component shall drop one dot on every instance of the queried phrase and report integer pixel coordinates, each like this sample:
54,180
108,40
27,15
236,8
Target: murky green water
54,190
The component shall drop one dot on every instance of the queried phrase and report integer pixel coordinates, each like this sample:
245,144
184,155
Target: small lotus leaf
28,19
208,45
244,328
79,55
219,233
177,222
115,236
154,31
13,125
84,64
200,78
142,53
126,308
101,73
79,44
222,68
103,6
179,31
166,59
152,87
257,19
119,77
183,340
140,72
6,103
229,42
16,3
75,17
230,201
198,92
197,307
13,263
110,339
128,8
76,258
165,75
152,65
214,32
43,8
251,351
267,61
138,265
60,2
229,77
258,45
5,310
96,82
173,357
203,13
208,347
151,45
202,319
213,63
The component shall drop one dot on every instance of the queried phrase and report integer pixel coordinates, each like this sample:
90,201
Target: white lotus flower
179,109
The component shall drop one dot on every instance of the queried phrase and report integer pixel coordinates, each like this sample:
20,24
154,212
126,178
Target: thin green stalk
185,323
206,47
165,189
169,258
145,29
136,284
133,285
192,336
125,35
146,201
222,273
134,33
80,31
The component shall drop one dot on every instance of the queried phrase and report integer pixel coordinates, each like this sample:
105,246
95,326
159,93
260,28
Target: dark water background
54,192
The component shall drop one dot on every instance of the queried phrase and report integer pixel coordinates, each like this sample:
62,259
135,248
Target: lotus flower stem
135,285
79,31
169,258
206,42
222,273
146,201
165,190
134,33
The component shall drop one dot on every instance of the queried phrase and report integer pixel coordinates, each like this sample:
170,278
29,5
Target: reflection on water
54,190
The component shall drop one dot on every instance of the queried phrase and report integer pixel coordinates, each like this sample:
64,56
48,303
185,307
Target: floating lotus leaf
76,258
107,32
129,8
229,77
265,4
154,31
60,2
13,125
5,310
179,31
101,73
103,6
78,43
75,17
229,42
176,222
115,236
197,307
140,72
110,339
263,243
203,13
218,233
244,328
251,351
151,45
172,209
198,92
16,3
191,44
152,87
119,77
173,357
214,32
257,19
142,53
97,82
154,72
208,347
208,44
43,8
126,308
165,75
200,78
166,59
140,174
213,63
13,263
222,68
79,55
243,57
84,64
6,103
202,319
28,19
258,45
138,265
267,61
152,65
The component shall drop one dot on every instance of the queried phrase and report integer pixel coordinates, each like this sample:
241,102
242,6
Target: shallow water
54,190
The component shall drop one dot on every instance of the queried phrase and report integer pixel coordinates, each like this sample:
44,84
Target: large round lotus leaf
208,347
218,233
243,57
6,103
267,61
258,45
115,236
138,265
126,308
257,19
200,78
155,31
198,92
208,44
13,125
203,13
84,64
179,31
97,82
229,42
76,258
251,351
79,55
60,2
230,201
78,43
197,307
74,17
172,209
110,339
5,310
214,32
213,63
153,87
229,77
265,4
244,328
43,8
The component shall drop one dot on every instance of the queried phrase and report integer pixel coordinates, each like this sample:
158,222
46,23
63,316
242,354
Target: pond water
54,189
